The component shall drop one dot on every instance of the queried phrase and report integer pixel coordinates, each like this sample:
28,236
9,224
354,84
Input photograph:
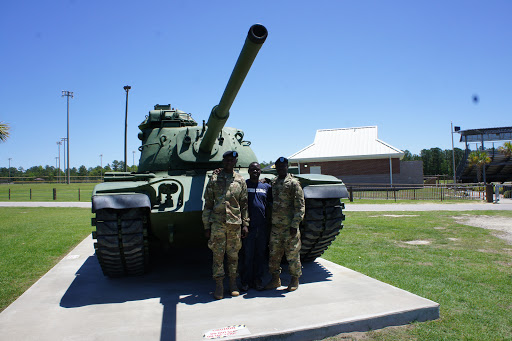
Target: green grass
44,192
465,269
32,241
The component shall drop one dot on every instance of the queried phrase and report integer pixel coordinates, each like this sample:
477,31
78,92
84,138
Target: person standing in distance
254,247
226,220
288,208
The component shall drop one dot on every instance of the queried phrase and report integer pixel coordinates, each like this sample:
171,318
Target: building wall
350,167
375,171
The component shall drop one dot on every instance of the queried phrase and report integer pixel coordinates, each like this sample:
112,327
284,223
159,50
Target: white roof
346,144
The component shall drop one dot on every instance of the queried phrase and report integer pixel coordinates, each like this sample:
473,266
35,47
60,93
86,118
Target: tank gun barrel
220,113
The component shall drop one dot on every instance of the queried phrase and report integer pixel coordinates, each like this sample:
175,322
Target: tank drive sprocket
322,223
122,241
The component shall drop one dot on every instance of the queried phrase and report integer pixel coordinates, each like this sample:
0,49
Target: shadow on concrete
173,279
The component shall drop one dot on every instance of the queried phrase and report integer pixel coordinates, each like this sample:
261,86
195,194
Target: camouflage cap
282,159
232,153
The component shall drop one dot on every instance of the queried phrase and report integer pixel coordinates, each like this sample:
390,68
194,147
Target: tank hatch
165,116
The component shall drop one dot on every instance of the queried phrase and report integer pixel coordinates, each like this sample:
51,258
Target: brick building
356,156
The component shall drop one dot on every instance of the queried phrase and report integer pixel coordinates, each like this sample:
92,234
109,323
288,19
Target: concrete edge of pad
400,318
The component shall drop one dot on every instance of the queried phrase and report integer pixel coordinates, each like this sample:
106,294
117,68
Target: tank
159,207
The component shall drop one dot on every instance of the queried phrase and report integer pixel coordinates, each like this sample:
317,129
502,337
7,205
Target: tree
426,156
82,170
506,149
117,166
4,131
264,164
408,156
478,158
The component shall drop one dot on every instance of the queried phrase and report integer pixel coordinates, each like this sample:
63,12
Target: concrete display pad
74,301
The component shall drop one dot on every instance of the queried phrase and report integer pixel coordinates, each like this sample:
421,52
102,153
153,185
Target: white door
315,170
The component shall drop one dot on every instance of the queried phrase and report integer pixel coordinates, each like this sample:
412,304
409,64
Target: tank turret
172,140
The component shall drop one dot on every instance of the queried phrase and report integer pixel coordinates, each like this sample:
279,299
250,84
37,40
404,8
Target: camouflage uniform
225,211
287,211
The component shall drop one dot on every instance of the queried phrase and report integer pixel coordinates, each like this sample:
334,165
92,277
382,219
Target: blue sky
408,67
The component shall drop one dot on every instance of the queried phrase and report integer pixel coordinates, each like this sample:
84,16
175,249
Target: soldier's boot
233,287
274,283
219,289
294,283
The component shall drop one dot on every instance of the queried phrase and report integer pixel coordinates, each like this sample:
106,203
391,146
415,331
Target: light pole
101,166
126,88
59,143
68,94
64,153
453,153
10,169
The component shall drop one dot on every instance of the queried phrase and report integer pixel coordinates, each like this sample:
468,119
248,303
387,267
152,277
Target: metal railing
417,192
49,179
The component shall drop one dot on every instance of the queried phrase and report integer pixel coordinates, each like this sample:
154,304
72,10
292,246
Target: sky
408,67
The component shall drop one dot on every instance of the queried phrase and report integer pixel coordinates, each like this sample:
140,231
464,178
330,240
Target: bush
507,194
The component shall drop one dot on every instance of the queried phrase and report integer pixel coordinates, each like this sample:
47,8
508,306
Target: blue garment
254,253
257,194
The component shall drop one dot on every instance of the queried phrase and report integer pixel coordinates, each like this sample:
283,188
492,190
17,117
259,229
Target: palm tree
478,158
4,131
506,149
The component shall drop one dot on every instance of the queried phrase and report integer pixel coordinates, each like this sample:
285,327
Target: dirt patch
417,242
502,225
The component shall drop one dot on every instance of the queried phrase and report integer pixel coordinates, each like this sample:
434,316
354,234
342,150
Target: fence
83,192
417,192
48,192
49,179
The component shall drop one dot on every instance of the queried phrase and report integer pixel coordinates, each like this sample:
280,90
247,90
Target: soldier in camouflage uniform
226,220
288,210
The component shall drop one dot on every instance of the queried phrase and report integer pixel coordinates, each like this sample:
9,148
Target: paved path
503,205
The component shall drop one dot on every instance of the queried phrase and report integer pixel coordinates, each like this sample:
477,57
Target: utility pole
68,94
101,165
133,159
10,169
126,88
64,153
59,143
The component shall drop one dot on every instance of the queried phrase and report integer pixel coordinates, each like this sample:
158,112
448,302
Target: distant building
500,167
357,156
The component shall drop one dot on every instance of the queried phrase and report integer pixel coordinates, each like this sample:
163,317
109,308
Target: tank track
121,241
322,223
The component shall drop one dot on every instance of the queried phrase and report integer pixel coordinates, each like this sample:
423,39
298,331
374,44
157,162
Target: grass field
466,269
32,241
44,192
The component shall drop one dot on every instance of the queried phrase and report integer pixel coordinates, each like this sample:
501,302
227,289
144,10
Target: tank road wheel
322,223
121,241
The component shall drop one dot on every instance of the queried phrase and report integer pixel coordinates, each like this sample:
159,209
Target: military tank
160,205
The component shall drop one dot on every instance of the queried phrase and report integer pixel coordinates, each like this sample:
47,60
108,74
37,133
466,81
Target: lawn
465,269
32,241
